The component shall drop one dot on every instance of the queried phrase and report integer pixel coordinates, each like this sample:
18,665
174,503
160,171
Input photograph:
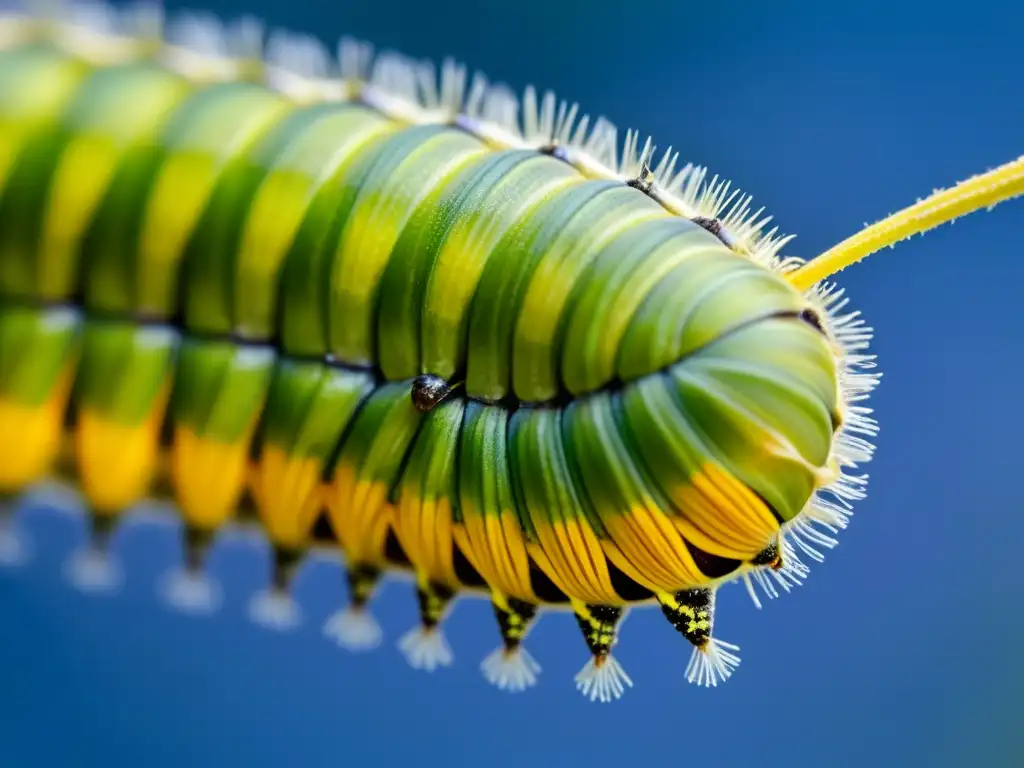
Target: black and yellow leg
190,589
354,627
602,678
511,667
515,617
692,613
274,607
425,646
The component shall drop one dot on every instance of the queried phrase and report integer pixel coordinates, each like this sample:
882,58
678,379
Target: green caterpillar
384,312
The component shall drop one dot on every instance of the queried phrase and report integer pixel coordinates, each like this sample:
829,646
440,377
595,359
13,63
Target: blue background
903,649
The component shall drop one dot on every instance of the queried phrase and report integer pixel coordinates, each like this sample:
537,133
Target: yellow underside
208,480
30,438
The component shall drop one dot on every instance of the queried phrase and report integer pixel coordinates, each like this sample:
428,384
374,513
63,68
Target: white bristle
93,571
513,671
354,629
426,648
191,592
603,679
712,664
275,609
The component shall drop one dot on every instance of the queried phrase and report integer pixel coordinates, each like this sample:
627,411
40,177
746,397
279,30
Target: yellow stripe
495,547
85,169
31,436
117,462
571,556
359,514
424,529
208,477
286,491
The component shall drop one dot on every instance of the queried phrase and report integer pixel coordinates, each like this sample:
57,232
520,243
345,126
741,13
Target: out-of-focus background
903,649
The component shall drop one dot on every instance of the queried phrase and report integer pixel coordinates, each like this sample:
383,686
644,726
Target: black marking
557,151
467,575
323,531
197,543
101,530
625,587
286,564
716,228
428,391
599,624
813,319
362,581
768,556
691,612
544,588
712,566
394,553
644,180
514,622
434,599
837,421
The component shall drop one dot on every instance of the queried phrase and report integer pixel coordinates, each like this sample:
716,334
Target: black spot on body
767,556
323,533
467,575
393,551
625,587
712,566
286,563
544,588
813,319
427,391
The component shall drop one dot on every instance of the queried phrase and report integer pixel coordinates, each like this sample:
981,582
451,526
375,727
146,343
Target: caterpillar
418,322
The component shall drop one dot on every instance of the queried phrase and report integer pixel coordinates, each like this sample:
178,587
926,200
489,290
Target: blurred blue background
903,649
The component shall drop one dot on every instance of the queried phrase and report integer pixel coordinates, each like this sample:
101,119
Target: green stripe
605,467
221,388
36,85
486,229
767,390
741,445
307,162
401,173
310,405
262,132
403,287
212,253
495,308
430,471
659,435
624,273
36,347
123,107
307,265
382,432
485,480
700,301
539,327
541,472
124,369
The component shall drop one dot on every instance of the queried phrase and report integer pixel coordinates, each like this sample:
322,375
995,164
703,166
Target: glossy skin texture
248,287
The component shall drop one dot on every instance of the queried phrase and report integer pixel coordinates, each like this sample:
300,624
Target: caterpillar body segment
420,322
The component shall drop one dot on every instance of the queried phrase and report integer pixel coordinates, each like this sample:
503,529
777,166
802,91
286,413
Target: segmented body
394,322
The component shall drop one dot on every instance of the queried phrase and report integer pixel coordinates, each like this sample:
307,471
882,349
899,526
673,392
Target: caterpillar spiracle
414,320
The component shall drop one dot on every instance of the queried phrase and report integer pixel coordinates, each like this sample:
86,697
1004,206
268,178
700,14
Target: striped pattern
249,286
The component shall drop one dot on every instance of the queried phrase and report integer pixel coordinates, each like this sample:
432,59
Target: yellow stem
983,191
